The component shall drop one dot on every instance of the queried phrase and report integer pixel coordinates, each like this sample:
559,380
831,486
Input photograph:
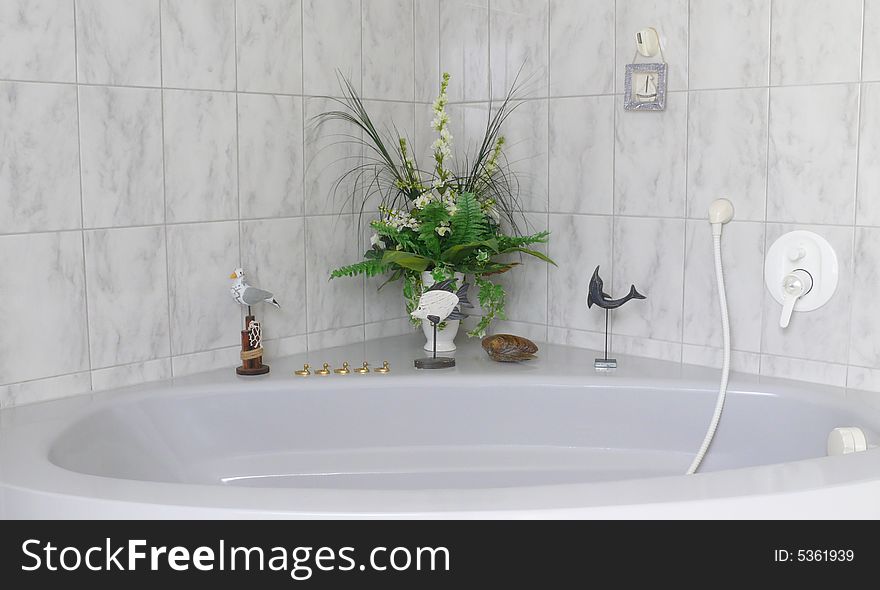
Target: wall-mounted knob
796,253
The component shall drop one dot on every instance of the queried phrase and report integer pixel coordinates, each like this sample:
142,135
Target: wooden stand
251,358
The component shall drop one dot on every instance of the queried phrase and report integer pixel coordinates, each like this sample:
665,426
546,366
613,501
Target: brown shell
507,348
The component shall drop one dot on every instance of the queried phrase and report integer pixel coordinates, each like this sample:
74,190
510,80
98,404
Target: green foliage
469,223
447,220
370,268
491,298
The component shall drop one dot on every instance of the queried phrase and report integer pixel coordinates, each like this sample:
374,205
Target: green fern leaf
469,223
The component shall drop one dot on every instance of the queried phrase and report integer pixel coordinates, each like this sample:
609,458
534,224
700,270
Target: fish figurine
599,297
439,302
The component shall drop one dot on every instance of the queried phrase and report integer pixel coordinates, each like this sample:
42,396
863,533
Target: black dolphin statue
599,297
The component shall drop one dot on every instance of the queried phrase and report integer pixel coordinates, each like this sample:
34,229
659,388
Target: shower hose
725,367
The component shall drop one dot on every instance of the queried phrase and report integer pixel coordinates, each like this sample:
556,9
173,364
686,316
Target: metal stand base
440,362
605,364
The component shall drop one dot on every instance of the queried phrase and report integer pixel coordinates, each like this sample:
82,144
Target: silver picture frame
645,87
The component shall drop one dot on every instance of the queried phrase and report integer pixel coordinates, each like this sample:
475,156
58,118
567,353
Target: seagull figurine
247,295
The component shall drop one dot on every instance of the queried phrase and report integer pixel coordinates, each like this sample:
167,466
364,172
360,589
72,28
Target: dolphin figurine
596,295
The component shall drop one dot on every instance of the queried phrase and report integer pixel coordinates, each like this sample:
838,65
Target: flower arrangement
459,217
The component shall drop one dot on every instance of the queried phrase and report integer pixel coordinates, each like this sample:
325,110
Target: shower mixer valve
801,273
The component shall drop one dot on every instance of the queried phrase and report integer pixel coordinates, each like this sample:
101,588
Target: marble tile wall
772,103
152,146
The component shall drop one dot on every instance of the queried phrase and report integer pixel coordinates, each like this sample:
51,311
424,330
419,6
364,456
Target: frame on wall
645,87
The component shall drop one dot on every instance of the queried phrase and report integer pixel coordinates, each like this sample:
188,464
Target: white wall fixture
645,83
801,272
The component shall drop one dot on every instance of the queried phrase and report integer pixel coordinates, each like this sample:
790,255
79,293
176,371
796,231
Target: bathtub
544,439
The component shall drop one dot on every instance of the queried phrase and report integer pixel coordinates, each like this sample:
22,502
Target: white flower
376,241
423,200
443,229
452,209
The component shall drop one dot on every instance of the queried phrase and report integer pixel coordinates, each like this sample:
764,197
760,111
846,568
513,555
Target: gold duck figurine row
343,370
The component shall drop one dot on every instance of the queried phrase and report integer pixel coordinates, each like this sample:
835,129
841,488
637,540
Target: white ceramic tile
822,334
334,337
199,362
133,374
815,41
121,143
670,18
329,154
864,347
39,162
270,155
813,154
646,347
581,47
648,253
118,42
331,45
727,151
46,334
743,257
203,314
200,156
40,390
871,50
467,124
582,154
281,347
520,46
527,144
729,44
464,48
578,244
526,284
707,356
269,37
332,241
128,295
650,160
534,332
868,203
37,40
427,49
273,255
803,370
198,44
388,49
576,338
863,379
386,328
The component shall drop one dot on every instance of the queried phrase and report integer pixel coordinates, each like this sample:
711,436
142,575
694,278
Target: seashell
507,348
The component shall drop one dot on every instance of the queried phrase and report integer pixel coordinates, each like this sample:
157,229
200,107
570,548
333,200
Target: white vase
446,335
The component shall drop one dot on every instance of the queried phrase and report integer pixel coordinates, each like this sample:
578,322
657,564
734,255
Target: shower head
720,212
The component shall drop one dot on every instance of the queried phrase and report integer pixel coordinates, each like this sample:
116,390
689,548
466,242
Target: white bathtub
545,439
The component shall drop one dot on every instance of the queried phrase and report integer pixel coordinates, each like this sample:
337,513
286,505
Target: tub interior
441,437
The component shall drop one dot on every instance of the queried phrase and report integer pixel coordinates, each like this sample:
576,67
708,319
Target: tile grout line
547,226
237,137
615,121
357,238
687,130
305,224
853,242
82,215
766,185
165,198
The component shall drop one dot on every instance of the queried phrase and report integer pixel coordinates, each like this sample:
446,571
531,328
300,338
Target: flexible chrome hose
725,366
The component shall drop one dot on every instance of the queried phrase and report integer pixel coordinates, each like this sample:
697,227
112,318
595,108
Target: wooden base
261,370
